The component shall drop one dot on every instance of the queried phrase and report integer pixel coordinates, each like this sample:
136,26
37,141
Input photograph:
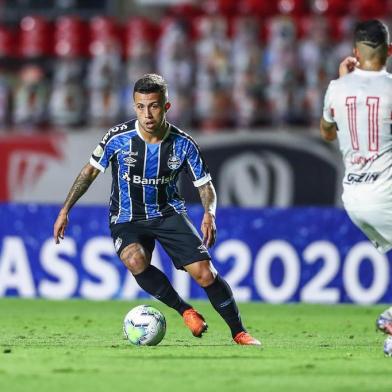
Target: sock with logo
221,298
156,283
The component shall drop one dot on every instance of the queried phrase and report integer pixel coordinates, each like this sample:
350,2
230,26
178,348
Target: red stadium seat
104,32
138,29
102,26
69,25
220,7
303,25
366,9
70,37
330,7
257,7
293,7
35,37
185,11
7,43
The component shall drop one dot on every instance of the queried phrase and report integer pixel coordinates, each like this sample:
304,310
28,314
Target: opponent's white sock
387,313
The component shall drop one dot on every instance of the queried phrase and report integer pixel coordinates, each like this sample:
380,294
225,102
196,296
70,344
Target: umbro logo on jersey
202,248
174,162
129,161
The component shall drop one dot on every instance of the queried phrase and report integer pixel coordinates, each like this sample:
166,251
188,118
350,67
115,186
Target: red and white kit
360,103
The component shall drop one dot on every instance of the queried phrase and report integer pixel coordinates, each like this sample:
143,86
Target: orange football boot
195,322
245,339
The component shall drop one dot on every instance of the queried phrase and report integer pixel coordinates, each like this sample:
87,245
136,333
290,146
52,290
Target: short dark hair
372,33
151,83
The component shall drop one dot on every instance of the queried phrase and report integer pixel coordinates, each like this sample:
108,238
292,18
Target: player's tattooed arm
82,182
208,199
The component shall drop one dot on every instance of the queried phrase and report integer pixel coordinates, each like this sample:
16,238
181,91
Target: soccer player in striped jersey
146,156
358,111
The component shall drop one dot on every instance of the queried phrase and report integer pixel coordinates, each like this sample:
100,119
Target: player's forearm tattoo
80,186
208,197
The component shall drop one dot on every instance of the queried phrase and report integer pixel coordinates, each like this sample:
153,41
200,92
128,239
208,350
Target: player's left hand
208,228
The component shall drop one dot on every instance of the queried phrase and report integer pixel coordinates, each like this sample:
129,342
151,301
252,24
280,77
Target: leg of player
384,321
221,298
137,259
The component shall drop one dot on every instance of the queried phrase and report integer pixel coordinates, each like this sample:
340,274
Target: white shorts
376,224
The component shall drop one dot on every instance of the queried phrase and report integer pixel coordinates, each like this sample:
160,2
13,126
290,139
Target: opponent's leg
221,298
137,259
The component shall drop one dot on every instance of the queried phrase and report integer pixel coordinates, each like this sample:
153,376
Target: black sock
221,298
156,283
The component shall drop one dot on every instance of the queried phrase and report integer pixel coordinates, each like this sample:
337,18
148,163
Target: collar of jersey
141,137
359,71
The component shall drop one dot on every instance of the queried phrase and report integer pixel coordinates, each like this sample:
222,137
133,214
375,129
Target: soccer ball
388,346
144,326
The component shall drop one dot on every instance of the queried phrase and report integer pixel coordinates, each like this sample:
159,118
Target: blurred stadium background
246,79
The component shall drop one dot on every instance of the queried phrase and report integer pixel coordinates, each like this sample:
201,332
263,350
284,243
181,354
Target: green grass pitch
78,346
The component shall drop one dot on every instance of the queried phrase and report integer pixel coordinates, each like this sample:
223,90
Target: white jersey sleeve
328,109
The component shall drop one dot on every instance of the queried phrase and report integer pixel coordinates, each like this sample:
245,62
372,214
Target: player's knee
135,258
205,274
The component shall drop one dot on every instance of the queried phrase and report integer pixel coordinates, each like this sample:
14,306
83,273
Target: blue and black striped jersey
144,175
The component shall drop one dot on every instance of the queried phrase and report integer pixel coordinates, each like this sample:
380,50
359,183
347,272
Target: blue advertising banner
273,255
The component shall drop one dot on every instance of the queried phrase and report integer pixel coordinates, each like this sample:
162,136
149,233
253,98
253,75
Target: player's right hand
60,226
348,65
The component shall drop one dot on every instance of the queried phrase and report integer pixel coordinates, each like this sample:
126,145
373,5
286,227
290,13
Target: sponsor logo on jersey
117,243
360,161
354,178
126,177
130,153
174,162
121,127
148,181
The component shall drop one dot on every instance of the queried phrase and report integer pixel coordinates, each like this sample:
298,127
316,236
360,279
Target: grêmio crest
174,162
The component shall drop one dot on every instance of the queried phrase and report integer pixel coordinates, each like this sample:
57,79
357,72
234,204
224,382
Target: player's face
151,111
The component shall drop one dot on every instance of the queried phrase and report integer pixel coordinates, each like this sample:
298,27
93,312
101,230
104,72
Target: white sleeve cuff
94,163
202,181
328,118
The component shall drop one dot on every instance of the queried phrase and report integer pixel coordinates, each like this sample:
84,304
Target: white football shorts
376,224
